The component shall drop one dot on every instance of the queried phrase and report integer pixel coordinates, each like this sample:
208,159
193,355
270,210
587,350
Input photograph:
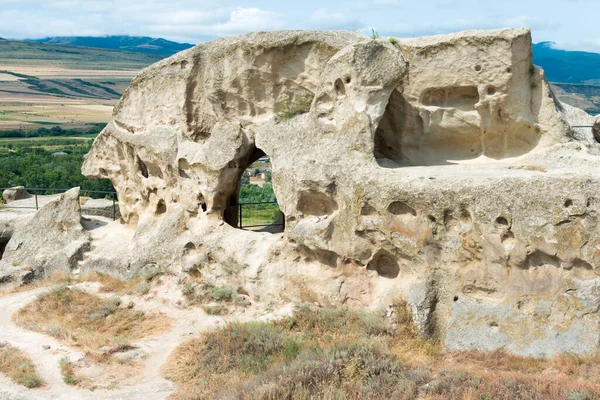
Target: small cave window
254,205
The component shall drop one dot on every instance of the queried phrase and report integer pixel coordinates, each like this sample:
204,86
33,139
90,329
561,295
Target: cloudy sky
573,24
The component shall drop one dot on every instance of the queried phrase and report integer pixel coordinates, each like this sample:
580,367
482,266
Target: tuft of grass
222,293
68,372
83,320
215,310
300,105
18,367
374,34
534,85
394,41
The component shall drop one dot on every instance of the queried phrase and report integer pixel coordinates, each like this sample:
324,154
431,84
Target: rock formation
438,170
16,193
51,240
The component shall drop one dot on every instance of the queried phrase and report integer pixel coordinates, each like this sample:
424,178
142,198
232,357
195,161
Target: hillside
575,75
20,53
567,66
136,44
45,85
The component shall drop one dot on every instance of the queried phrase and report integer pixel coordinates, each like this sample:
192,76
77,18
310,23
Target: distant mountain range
138,44
567,66
21,53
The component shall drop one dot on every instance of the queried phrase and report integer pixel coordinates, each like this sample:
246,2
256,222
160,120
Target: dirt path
149,385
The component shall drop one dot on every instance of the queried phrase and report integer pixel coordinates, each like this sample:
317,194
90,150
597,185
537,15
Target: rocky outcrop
51,240
438,170
16,193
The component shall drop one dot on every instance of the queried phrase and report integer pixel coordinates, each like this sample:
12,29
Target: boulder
53,239
15,193
440,171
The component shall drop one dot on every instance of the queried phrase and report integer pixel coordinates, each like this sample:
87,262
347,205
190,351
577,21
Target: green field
38,141
259,214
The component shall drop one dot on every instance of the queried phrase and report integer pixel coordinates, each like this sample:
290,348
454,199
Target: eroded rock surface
439,170
51,240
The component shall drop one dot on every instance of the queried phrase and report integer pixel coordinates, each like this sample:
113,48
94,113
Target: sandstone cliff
439,170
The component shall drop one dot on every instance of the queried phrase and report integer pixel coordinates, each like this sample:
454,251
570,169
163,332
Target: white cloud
326,20
374,4
591,45
321,15
182,20
460,24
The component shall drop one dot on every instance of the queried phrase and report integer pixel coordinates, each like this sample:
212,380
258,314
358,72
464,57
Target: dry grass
17,366
86,321
109,284
345,354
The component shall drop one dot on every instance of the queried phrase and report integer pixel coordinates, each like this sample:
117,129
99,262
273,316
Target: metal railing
259,206
35,192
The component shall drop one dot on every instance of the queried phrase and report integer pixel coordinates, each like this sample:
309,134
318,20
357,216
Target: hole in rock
568,203
143,169
252,204
455,298
508,69
161,207
184,167
315,203
385,264
340,89
368,210
456,97
491,90
348,80
502,221
478,68
401,208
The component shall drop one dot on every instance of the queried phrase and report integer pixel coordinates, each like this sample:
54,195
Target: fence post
36,202
114,208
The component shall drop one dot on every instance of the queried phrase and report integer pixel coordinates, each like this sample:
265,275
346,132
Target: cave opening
253,205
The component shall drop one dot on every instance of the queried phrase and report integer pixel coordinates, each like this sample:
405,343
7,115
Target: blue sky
573,24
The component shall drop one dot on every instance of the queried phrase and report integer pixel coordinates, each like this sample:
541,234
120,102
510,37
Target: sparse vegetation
300,105
374,34
394,41
83,320
68,372
17,366
110,284
222,293
344,354
197,292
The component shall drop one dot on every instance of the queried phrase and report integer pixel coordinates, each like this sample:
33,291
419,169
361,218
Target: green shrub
299,106
222,293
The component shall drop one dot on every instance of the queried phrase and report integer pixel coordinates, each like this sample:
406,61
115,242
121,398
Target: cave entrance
444,127
254,205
